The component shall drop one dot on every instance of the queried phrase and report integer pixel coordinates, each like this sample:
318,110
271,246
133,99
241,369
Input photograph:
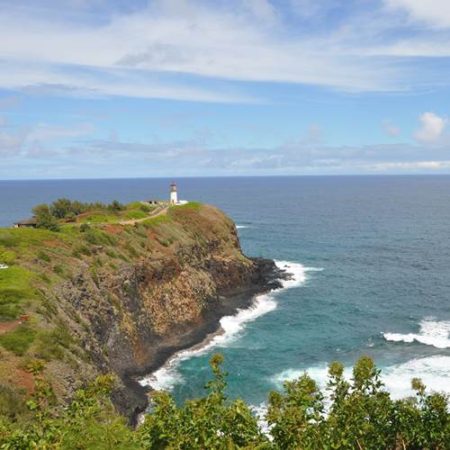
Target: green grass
19,340
7,256
134,210
191,205
15,288
24,237
154,221
136,214
95,236
51,344
97,218
11,402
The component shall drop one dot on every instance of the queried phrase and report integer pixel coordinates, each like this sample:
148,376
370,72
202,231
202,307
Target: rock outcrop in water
123,298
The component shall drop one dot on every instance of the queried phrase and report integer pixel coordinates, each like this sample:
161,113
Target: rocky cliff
119,298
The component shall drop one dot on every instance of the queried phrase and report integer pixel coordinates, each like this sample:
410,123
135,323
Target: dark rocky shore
132,399
122,298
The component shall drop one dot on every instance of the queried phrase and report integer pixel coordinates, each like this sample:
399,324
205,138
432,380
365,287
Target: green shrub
145,208
19,340
58,269
84,227
98,237
43,256
7,256
360,415
51,344
12,404
111,253
80,250
116,206
44,277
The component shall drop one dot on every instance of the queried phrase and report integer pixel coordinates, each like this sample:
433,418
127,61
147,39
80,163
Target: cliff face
131,295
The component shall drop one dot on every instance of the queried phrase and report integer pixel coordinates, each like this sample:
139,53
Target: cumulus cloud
431,128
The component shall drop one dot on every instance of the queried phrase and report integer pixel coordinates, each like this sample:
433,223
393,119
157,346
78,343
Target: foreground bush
357,414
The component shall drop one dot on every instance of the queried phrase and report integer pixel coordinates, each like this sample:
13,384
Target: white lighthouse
173,194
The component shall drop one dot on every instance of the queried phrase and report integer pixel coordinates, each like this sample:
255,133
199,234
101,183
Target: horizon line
424,174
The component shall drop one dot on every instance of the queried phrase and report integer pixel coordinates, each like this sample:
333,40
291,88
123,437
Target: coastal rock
146,291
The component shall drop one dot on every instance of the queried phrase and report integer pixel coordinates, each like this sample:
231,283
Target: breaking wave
433,371
432,332
166,377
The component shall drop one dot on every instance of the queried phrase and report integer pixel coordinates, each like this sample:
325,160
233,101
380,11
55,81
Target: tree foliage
66,209
357,414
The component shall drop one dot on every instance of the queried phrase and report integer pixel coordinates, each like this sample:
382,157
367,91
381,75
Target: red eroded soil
113,229
52,243
24,380
8,326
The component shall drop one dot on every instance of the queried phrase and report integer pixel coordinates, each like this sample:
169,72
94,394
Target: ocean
370,258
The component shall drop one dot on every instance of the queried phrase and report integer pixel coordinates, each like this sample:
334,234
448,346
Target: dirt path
157,213
150,216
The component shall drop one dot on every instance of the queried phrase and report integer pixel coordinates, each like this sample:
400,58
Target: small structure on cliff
26,223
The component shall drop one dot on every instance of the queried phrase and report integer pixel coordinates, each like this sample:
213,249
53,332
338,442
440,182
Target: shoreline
269,277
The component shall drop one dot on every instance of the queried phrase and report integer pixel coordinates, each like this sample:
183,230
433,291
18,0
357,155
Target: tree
357,414
116,206
61,208
44,218
210,422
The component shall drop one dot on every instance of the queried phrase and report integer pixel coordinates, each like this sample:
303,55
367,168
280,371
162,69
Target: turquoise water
371,257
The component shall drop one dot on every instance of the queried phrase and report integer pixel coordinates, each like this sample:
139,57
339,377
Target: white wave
260,412
163,379
433,370
231,327
432,332
239,227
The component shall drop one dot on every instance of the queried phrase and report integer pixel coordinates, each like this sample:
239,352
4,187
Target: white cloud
179,49
410,166
431,128
38,140
176,37
433,12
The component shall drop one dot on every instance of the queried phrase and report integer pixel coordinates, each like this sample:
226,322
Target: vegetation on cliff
64,210
358,415
110,296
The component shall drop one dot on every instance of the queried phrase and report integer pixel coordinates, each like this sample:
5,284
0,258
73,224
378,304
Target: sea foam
231,327
432,332
433,371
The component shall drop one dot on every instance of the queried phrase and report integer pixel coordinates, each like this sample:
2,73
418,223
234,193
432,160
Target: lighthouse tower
173,194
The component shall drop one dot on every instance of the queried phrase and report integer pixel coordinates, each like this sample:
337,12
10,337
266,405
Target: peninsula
90,289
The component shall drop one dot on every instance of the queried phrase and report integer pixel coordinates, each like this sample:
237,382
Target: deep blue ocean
371,260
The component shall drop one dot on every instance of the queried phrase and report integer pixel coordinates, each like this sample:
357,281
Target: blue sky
124,88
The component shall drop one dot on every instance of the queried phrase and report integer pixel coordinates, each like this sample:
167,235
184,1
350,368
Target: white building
173,194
